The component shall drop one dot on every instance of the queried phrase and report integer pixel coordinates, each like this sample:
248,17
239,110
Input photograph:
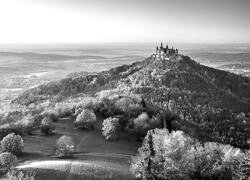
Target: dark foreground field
94,157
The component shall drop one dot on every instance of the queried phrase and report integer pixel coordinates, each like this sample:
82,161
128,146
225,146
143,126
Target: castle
165,53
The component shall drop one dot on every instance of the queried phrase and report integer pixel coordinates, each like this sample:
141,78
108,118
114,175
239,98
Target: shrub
6,129
165,155
47,126
129,114
127,103
87,103
19,175
242,169
7,160
141,124
12,143
63,109
11,116
205,161
29,124
106,107
64,146
110,128
78,111
85,119
52,114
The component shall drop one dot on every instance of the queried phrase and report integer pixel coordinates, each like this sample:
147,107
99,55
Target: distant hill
241,69
224,57
55,57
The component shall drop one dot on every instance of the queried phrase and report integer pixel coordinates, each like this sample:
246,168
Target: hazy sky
188,21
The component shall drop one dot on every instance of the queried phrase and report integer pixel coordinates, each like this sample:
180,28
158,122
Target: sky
83,21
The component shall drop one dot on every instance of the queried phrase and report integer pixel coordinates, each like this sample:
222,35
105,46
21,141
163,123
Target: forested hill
159,81
184,94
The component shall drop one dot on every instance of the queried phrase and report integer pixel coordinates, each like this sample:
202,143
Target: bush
78,111
130,113
47,126
87,103
110,128
64,146
7,160
141,124
12,143
127,103
11,116
107,108
63,109
29,124
19,175
85,120
165,155
242,169
6,129
52,114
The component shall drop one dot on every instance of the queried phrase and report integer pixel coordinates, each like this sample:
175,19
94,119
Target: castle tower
161,46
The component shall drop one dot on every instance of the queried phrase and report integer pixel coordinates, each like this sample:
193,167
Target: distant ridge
32,55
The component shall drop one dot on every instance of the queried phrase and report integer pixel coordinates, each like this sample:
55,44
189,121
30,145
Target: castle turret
161,46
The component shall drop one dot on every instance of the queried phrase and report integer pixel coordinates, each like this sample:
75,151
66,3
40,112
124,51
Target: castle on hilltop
166,52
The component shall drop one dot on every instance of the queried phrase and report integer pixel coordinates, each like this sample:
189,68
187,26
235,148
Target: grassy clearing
94,157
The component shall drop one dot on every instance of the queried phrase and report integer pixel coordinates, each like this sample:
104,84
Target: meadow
94,157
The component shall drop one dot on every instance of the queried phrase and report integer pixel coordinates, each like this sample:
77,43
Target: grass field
94,157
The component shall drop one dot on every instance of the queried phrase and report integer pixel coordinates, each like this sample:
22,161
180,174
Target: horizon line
153,42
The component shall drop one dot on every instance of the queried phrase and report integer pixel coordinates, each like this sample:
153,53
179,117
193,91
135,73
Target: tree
110,128
47,126
12,143
7,159
64,146
174,155
85,120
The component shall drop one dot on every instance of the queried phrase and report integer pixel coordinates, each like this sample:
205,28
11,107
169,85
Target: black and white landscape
130,89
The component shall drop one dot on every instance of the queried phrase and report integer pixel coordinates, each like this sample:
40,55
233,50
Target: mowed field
94,157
